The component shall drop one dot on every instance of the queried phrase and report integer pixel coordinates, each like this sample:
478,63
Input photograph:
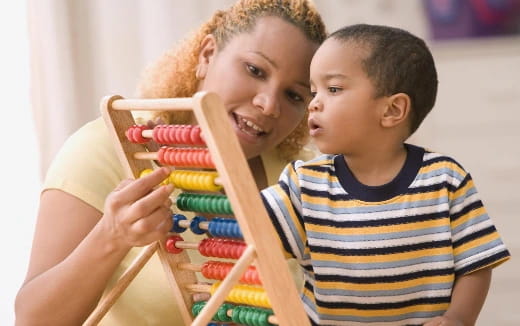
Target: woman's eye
255,71
295,97
313,94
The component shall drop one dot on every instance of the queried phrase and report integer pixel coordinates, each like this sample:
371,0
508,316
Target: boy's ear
397,110
208,49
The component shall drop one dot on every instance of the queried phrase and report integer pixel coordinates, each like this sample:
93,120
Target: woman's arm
469,294
76,249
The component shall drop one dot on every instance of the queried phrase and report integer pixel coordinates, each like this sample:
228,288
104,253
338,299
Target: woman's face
263,80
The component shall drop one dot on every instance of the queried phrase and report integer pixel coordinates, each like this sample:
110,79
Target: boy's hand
444,321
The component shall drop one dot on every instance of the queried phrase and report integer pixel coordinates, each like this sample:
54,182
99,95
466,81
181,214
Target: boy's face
343,115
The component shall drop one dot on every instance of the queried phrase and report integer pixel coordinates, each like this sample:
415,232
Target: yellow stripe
377,229
287,204
469,216
383,258
384,312
475,243
442,165
461,192
409,198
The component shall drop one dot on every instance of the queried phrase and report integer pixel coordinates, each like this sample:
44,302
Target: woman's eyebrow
302,83
266,58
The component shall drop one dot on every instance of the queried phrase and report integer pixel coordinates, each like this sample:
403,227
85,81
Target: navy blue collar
398,186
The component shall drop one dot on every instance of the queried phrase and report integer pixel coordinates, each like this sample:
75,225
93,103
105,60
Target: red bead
170,244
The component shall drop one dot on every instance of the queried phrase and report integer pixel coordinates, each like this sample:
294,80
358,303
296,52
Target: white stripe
466,202
481,255
293,243
376,215
363,244
383,271
472,229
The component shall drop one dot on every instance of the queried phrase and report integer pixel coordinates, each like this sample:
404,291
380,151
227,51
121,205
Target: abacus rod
187,223
190,267
186,245
159,104
122,283
271,319
225,287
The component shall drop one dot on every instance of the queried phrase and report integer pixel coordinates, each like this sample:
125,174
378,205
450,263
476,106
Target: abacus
256,288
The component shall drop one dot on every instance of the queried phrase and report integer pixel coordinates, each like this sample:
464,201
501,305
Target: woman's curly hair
173,74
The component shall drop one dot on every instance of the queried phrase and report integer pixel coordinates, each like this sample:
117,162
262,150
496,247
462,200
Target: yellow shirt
88,168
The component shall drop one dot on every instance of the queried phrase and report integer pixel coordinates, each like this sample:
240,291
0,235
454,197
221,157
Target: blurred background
61,57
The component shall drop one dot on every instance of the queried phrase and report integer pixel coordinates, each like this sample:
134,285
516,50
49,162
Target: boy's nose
268,104
314,104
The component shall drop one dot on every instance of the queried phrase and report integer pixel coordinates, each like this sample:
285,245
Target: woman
256,57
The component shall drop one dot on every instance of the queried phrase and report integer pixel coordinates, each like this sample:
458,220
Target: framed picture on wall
455,19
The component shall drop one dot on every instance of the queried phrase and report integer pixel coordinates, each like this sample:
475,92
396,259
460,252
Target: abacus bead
145,172
195,224
176,227
170,244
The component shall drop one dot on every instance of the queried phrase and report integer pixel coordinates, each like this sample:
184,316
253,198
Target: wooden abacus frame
241,190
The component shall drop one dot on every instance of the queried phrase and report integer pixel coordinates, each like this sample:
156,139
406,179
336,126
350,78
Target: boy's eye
254,70
333,89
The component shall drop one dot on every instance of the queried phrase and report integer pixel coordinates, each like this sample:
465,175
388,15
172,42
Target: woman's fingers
149,203
152,227
142,186
138,212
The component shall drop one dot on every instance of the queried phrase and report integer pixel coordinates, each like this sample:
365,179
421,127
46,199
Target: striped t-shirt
385,255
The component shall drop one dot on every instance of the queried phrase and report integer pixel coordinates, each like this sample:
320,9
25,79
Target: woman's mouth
248,127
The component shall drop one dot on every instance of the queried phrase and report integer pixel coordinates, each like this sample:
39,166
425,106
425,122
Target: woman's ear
208,49
397,110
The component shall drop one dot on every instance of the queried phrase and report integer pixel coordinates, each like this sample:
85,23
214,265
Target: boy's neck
377,167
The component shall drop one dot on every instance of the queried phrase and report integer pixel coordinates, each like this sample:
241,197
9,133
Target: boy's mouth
314,127
313,124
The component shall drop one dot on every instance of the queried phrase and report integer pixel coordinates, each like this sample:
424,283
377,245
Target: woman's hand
444,321
138,212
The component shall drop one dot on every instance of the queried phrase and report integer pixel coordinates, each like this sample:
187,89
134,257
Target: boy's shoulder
436,163
318,161
437,157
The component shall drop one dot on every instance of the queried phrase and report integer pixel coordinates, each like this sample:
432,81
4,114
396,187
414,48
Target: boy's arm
469,294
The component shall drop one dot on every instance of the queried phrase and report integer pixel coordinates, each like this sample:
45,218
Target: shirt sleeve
283,204
476,242
86,166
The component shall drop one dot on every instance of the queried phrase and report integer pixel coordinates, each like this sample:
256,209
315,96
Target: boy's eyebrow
334,75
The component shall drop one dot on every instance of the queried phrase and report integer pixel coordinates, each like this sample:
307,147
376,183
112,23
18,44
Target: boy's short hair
398,62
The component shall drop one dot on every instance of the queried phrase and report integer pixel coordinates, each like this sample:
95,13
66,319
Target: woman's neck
257,169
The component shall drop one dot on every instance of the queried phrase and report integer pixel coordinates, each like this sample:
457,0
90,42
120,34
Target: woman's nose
268,104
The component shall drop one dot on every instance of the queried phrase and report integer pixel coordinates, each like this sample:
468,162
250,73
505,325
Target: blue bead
176,227
195,224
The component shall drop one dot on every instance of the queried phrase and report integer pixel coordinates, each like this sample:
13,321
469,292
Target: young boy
387,233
